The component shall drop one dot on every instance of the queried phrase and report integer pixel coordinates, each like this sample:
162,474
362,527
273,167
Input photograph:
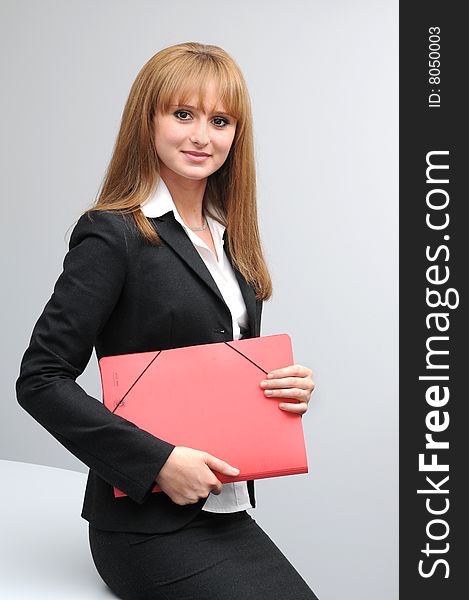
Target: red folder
208,397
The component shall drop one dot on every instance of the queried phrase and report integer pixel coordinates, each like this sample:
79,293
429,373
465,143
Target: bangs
192,78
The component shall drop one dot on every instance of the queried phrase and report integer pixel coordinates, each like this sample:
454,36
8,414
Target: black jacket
119,294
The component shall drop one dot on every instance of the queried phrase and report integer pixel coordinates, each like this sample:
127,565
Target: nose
199,133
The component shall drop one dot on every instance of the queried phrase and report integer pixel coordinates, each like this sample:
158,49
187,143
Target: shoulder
99,219
106,226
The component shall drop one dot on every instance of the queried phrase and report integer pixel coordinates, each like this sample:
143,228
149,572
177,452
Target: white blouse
234,496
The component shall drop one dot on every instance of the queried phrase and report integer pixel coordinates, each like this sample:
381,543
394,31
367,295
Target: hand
186,476
294,381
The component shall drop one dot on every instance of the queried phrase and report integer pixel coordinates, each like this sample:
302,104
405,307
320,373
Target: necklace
200,228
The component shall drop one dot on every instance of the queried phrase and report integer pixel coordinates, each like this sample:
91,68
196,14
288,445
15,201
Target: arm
60,347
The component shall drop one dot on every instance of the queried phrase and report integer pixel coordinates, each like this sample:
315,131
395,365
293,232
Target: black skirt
222,556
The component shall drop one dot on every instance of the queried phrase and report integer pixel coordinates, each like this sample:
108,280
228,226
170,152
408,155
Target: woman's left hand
294,381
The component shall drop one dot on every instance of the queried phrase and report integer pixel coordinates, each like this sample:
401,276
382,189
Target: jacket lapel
174,235
247,292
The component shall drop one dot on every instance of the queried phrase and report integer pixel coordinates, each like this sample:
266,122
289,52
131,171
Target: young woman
169,256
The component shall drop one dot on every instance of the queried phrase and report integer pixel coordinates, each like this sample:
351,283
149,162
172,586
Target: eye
181,112
224,122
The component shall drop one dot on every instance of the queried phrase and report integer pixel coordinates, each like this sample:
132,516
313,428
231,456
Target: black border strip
433,271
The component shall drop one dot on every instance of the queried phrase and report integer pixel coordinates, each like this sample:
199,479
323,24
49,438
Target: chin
196,176
195,172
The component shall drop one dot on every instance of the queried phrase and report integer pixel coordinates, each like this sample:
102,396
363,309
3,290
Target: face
191,143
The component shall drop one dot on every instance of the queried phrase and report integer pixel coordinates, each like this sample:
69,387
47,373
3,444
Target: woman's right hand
187,475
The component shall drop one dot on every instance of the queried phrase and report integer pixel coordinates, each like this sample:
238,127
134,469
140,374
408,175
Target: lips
195,158
195,153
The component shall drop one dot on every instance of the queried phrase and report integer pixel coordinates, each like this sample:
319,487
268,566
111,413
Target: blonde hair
172,75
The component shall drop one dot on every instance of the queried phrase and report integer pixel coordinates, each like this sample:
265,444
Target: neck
187,195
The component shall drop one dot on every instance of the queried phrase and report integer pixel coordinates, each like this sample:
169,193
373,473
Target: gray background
323,82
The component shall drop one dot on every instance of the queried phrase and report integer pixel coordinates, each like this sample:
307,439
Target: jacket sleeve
60,347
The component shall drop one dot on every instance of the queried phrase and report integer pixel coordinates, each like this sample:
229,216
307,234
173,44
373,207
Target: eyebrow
218,112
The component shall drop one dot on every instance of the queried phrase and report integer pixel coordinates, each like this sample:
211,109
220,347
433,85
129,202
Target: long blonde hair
171,75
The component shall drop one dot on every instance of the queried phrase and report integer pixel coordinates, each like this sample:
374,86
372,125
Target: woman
169,256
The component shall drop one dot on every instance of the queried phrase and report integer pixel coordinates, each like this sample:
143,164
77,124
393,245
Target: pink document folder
208,397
